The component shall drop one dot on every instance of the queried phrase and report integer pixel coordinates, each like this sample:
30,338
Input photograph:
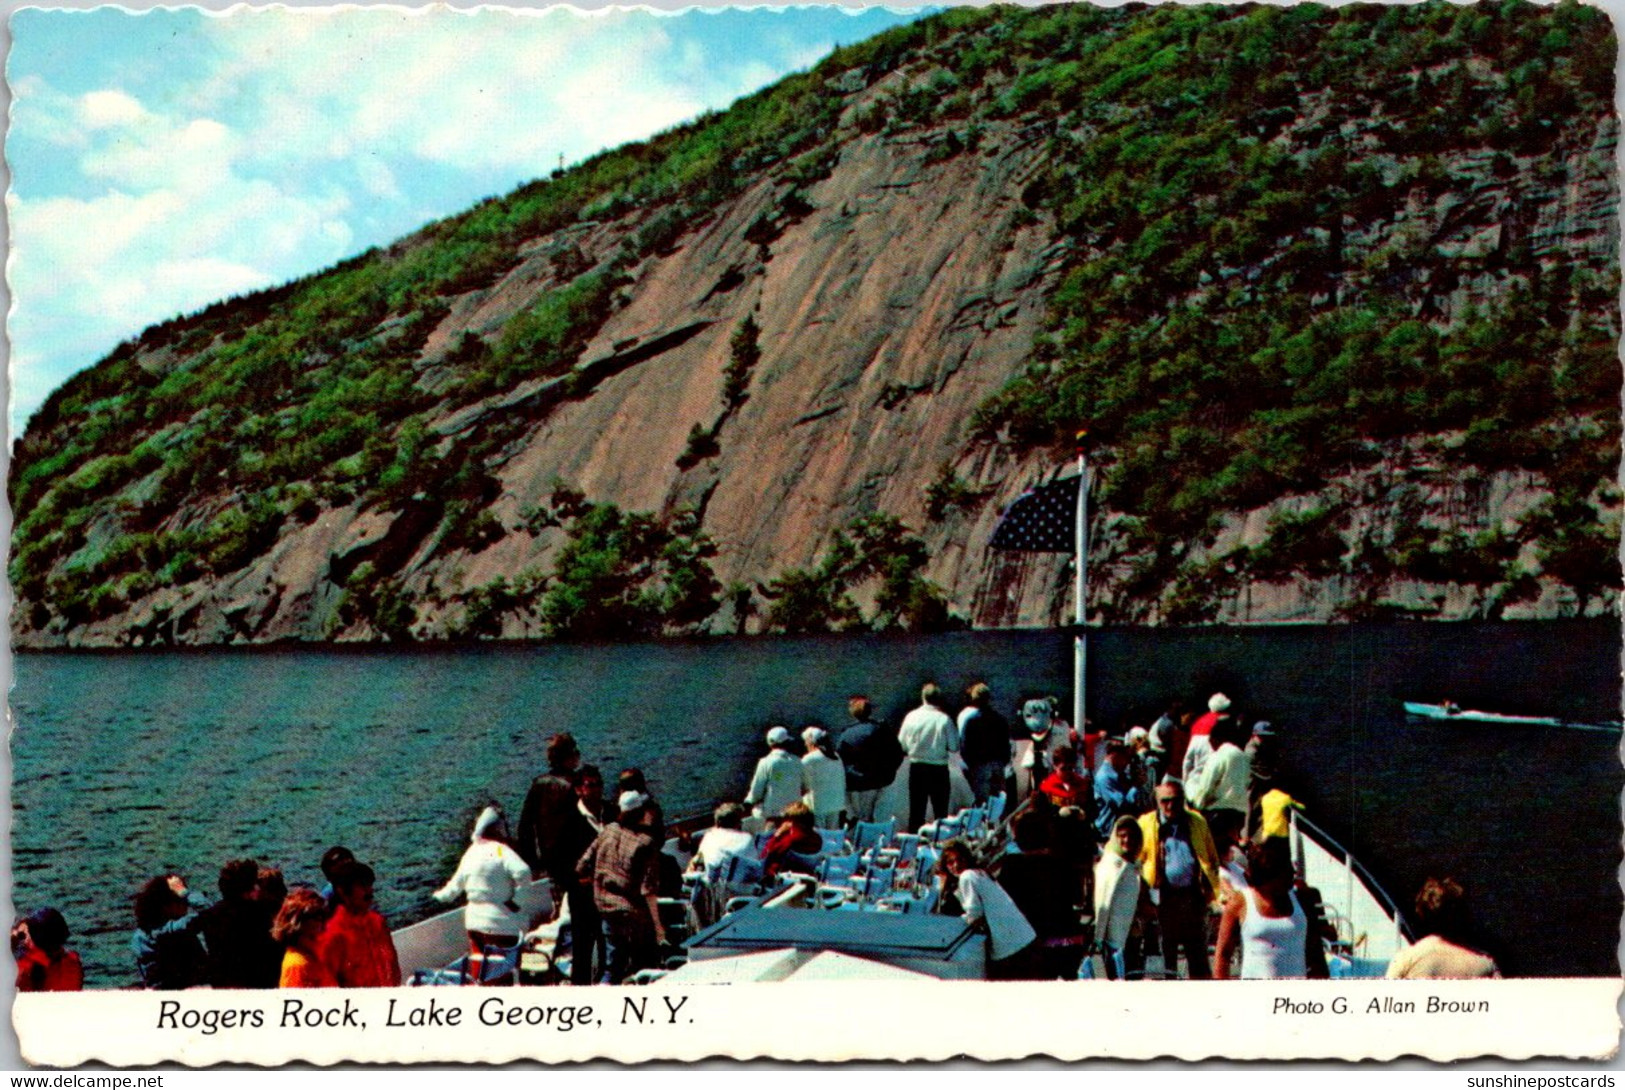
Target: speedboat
1448,712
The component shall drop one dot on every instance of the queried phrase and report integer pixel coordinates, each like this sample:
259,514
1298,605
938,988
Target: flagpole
1080,643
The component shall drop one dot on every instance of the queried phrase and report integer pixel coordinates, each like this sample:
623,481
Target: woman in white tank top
1264,920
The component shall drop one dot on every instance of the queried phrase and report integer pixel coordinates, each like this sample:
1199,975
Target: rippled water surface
130,765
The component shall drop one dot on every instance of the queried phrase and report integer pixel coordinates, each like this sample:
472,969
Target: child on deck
1064,786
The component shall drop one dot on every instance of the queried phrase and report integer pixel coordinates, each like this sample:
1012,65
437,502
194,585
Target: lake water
131,765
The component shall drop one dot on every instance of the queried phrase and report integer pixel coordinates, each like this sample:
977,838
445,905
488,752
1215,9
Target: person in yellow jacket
1275,814
1181,868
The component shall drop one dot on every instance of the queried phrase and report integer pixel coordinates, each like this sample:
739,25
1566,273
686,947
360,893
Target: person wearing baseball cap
778,780
1201,744
624,871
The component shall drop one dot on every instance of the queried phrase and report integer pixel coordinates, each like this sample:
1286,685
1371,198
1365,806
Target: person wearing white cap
825,779
1201,744
490,874
625,876
778,780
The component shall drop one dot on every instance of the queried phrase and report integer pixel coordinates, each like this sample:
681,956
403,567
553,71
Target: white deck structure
1370,927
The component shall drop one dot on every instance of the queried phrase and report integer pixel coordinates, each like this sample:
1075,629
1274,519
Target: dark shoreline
369,647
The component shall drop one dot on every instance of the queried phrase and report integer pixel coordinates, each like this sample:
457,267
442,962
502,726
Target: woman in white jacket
825,779
490,874
1117,893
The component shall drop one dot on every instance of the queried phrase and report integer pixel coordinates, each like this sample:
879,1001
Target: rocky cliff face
890,291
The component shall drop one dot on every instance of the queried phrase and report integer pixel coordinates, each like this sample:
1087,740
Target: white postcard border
833,1021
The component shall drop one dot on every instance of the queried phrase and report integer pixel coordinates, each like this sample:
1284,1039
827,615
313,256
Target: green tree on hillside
625,575
877,550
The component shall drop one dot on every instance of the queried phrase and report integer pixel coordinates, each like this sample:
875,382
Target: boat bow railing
1355,880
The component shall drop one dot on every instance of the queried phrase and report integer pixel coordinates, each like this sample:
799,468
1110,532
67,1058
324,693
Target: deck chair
837,869
908,849
995,809
900,853
739,881
940,832
494,965
835,880
870,836
925,865
872,885
973,822
741,874
832,841
917,878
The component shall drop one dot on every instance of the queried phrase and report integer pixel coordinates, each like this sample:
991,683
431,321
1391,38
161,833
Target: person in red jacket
44,964
1064,786
356,946
795,844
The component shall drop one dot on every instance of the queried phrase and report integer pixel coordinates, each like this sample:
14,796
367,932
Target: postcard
538,532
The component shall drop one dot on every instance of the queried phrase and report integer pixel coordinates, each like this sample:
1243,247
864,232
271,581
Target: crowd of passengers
1172,836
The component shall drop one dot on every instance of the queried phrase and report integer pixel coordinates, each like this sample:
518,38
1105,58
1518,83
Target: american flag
1042,519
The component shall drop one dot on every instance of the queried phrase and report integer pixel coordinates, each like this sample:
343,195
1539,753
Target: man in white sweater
928,736
1219,789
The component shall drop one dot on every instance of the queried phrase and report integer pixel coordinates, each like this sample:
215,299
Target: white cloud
43,112
186,155
87,273
376,177
106,109
486,90
300,135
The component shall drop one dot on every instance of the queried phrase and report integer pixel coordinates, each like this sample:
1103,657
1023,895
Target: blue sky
165,159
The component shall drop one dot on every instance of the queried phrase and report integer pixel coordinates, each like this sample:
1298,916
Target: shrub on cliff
874,549
627,575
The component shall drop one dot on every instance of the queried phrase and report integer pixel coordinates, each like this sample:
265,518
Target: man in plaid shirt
623,867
